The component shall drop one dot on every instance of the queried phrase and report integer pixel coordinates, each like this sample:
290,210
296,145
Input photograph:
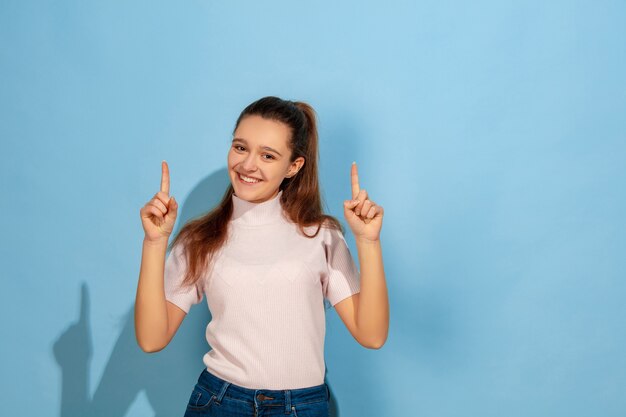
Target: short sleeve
342,279
174,273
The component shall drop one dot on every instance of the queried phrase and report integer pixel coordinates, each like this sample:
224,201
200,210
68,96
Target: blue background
493,133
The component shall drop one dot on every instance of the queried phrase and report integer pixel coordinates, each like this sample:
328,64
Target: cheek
277,172
231,158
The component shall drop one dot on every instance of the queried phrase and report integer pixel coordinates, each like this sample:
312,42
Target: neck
247,213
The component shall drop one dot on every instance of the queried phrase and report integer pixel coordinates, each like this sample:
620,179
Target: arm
156,319
372,317
366,314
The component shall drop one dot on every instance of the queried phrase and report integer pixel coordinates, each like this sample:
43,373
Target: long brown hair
301,201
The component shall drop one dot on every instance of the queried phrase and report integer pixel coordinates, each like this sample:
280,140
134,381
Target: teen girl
266,258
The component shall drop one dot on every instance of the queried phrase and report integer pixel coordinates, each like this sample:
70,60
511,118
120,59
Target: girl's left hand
364,217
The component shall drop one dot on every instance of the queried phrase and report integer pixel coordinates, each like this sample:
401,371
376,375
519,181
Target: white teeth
248,179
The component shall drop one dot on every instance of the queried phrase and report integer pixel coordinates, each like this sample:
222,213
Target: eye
270,156
237,147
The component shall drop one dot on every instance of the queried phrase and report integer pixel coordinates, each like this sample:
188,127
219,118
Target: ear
295,167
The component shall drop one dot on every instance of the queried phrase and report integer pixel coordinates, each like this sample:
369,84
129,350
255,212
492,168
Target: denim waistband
262,397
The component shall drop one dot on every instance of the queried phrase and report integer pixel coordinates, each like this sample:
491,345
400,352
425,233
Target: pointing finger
355,181
84,305
165,178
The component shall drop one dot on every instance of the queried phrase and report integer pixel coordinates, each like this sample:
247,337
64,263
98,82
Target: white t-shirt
266,293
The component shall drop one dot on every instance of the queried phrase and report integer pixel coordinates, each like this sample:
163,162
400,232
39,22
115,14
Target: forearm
151,319
372,316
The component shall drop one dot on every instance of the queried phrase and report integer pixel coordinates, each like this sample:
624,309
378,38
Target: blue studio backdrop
493,134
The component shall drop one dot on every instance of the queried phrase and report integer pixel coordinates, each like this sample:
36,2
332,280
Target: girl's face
258,159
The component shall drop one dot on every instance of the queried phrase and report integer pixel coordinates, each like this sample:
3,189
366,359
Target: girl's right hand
159,214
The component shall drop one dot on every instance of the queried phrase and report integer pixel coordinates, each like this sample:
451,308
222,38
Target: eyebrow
262,147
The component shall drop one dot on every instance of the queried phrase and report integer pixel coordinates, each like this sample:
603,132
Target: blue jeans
213,396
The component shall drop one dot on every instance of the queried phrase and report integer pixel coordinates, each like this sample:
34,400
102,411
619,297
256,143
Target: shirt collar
256,214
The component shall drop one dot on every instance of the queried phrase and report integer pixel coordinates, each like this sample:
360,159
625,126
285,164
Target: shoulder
178,252
331,234
327,232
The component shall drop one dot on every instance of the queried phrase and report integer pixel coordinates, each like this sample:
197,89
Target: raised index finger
165,178
355,181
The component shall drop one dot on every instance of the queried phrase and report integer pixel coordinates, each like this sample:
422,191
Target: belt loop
287,401
222,391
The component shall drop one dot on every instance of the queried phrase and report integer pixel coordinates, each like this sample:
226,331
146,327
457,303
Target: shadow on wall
167,376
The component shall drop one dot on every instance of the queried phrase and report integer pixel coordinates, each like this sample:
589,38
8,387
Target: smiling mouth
247,180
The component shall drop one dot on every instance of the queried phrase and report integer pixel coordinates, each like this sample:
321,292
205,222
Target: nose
249,164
